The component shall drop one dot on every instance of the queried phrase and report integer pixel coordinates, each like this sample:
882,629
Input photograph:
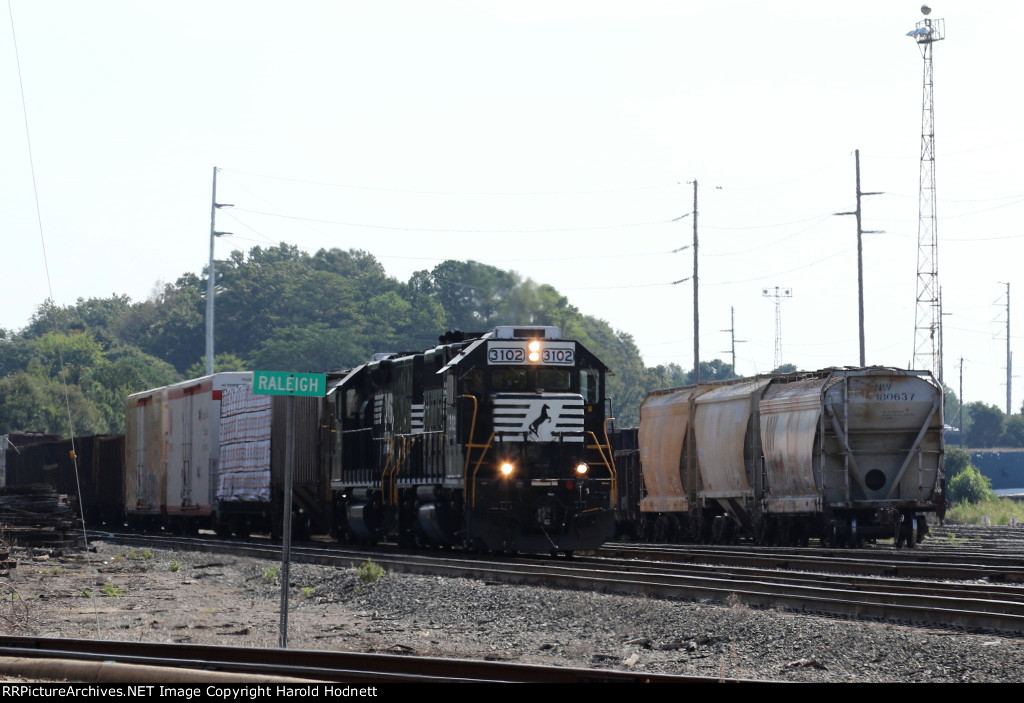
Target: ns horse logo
541,419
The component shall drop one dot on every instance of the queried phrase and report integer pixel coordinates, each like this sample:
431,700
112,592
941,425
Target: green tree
172,323
970,486
957,459
716,370
123,371
221,362
986,425
74,355
16,352
472,294
315,347
1013,431
664,376
34,403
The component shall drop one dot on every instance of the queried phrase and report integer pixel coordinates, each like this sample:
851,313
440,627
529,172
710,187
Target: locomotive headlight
507,468
534,347
582,468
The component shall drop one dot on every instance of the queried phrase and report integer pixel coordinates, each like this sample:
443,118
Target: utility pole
1009,357
732,337
214,206
696,307
860,255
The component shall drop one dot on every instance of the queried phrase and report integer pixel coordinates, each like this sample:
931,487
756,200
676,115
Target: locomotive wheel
241,527
223,529
831,537
302,527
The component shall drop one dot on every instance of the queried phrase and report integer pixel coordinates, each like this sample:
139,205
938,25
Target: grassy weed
998,511
113,591
369,571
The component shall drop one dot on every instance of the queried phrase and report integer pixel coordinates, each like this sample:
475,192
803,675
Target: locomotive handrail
390,472
386,469
611,468
470,446
485,447
607,459
472,432
608,421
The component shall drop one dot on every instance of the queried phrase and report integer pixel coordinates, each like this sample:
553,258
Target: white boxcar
194,446
145,454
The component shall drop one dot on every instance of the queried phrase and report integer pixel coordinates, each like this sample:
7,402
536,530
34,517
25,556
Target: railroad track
940,563
142,662
773,582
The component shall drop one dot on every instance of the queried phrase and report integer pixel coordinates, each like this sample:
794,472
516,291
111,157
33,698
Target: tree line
982,425
283,309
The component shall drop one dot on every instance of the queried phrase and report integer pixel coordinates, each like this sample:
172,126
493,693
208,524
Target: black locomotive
494,441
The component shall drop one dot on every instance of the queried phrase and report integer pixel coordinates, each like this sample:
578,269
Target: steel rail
918,564
204,662
923,604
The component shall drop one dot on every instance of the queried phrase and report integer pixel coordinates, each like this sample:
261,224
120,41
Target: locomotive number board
531,352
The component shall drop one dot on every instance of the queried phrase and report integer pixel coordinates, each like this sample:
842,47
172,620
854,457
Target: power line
451,230
385,189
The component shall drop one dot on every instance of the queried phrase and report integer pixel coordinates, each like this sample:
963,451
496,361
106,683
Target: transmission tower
778,295
928,328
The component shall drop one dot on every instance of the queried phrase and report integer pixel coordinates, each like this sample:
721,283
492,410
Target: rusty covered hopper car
838,454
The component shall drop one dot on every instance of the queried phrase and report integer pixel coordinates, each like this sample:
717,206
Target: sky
558,139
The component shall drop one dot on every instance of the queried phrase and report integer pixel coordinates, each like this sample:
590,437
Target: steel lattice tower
928,326
777,296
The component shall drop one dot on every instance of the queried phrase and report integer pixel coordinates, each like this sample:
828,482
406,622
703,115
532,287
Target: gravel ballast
122,593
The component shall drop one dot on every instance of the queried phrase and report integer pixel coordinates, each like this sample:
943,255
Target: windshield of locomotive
512,378
590,385
508,378
553,379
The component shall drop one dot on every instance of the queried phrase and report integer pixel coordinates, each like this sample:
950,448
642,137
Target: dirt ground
123,593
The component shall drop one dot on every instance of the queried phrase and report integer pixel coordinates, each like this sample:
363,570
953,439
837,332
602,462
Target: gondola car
494,441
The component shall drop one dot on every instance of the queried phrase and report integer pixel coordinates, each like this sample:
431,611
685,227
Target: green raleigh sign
312,385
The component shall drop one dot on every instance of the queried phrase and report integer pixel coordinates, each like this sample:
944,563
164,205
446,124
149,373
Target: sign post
305,385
